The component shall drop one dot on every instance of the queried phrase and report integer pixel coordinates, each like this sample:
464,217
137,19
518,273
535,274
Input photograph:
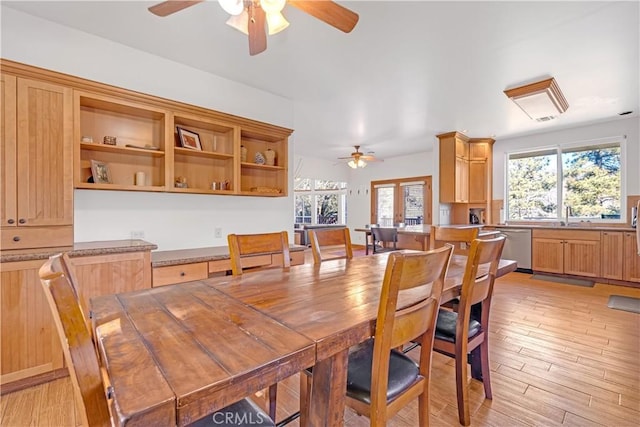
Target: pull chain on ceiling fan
250,16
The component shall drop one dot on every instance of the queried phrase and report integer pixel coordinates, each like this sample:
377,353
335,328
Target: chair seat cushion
402,373
446,326
244,413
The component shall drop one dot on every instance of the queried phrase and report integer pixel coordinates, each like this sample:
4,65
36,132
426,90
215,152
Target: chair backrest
440,235
384,235
77,345
253,244
478,280
336,238
394,327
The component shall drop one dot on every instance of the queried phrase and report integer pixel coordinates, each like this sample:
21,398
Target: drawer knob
16,238
182,274
22,220
11,221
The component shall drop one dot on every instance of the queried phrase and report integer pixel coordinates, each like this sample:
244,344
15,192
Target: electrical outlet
217,232
137,234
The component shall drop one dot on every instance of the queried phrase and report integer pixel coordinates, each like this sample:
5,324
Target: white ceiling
408,71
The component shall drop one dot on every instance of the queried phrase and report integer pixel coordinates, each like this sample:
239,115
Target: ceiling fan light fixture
272,6
276,22
240,22
232,7
355,164
541,101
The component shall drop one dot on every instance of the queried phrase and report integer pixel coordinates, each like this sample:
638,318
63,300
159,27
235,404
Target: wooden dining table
218,340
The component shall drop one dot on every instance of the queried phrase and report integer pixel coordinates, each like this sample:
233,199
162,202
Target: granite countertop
80,249
190,256
426,228
569,227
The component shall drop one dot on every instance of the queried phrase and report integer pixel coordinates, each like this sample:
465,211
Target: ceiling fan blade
330,12
172,6
257,31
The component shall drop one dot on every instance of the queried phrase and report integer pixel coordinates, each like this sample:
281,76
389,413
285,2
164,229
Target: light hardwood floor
559,356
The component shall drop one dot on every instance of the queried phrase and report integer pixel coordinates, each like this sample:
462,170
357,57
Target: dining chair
330,238
268,244
440,235
380,379
90,381
463,332
382,237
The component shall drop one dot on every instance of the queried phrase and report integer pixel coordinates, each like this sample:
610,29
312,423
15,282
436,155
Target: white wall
625,126
172,221
359,199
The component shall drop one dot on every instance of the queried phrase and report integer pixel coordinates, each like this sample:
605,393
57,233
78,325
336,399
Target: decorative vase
259,158
243,153
270,157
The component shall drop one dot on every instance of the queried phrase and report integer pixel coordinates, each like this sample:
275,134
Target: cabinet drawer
219,266
566,234
297,258
36,237
179,273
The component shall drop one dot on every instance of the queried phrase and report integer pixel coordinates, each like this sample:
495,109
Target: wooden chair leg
462,389
486,371
273,394
305,396
423,407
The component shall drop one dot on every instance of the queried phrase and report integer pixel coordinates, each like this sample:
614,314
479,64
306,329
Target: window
577,181
405,200
320,201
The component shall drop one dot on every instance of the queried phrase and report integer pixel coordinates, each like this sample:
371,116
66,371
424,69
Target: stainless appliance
473,219
518,247
634,217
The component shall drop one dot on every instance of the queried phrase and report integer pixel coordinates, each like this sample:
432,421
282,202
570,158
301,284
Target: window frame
314,193
558,149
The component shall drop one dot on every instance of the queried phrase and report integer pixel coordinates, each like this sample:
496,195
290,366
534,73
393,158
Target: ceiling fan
250,16
358,159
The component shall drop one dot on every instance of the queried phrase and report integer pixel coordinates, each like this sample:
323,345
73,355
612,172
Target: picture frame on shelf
100,172
188,139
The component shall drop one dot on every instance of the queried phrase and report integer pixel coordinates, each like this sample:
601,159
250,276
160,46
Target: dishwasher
518,247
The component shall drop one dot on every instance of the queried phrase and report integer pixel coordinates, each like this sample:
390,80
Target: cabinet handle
16,238
11,221
182,274
22,220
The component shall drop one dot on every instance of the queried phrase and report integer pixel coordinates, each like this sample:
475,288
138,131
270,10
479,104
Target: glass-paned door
397,201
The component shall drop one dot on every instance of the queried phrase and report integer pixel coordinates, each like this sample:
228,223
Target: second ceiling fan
250,16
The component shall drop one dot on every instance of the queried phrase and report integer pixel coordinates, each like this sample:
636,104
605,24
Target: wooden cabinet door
582,257
30,342
111,274
461,180
631,267
8,175
547,255
612,254
44,154
478,181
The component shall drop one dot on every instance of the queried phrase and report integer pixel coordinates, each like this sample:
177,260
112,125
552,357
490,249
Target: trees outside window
585,178
320,202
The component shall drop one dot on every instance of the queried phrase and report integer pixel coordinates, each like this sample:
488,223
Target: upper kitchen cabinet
204,155
117,141
466,176
454,168
37,155
263,161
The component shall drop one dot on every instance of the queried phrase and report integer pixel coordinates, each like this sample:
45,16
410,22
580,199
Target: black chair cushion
446,326
402,373
244,413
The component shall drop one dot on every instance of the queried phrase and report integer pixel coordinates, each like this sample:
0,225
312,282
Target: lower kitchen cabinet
30,343
631,265
612,254
575,252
